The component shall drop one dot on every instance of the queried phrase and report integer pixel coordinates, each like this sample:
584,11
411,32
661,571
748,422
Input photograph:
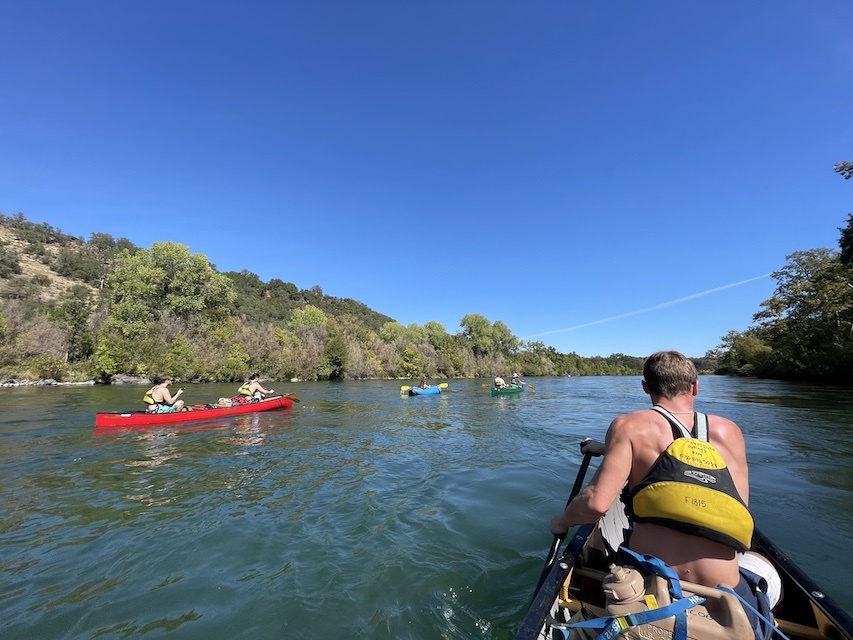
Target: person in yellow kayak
253,389
159,400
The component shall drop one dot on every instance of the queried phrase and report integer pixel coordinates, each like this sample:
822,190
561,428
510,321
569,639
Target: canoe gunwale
805,610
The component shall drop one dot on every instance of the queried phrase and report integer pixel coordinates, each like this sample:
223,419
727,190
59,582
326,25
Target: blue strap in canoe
613,625
656,566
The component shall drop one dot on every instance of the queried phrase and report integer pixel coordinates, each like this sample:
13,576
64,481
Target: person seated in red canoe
252,388
159,400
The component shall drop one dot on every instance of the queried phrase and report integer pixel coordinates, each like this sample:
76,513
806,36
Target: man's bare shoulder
633,420
632,426
724,429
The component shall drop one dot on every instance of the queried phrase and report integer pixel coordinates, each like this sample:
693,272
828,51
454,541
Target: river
361,512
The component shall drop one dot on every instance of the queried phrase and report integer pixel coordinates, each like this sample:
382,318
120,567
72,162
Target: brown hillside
32,267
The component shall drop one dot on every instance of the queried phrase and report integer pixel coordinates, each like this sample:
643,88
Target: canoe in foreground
804,612
510,390
429,391
131,419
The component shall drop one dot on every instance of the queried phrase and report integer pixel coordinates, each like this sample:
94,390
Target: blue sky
607,177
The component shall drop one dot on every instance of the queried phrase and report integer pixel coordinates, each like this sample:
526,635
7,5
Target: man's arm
595,499
168,398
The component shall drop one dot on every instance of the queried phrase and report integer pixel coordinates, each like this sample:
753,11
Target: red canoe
132,419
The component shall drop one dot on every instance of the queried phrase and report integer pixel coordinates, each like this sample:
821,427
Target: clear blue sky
607,177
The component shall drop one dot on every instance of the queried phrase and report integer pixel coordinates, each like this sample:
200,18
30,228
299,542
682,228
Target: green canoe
509,391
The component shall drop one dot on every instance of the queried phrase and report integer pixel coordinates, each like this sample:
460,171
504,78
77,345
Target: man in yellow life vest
253,389
159,400
697,528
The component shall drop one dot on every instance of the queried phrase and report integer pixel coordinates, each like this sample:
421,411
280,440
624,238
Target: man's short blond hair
669,373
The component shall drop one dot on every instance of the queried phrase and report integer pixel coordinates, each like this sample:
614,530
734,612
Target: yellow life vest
149,396
690,489
244,389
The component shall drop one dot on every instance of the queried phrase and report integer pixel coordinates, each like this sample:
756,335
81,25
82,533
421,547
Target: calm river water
361,512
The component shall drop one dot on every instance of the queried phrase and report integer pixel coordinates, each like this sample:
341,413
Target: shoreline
50,382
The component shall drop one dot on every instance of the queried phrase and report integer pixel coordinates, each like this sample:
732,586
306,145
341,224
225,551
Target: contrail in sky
663,305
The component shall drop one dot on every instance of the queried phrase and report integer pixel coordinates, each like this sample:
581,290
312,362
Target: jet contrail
663,305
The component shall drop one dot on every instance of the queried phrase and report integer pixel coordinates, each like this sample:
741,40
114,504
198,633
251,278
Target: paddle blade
486,384
443,385
292,397
405,388
532,387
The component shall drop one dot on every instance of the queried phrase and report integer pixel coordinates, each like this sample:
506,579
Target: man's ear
646,387
695,389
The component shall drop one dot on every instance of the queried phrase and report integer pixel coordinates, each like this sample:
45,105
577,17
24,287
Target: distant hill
40,262
26,252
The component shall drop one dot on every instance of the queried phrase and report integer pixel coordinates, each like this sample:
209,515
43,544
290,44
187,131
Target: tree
479,333
188,284
145,284
506,343
335,359
845,169
9,261
488,339
808,322
845,242
74,312
309,317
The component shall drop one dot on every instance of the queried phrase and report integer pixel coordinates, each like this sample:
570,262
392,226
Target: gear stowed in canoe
132,419
621,601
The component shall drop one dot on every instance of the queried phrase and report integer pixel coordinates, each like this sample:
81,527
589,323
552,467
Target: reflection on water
419,517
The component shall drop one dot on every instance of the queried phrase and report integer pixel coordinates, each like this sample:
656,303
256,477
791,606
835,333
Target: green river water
361,512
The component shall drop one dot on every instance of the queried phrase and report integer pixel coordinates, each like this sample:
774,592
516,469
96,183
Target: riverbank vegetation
74,310
805,330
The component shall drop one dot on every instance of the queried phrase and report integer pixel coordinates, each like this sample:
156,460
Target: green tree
235,366
309,317
188,284
74,312
10,264
335,358
479,333
392,331
145,284
506,343
808,322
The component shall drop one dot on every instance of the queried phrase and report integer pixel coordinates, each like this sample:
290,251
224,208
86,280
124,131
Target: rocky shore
50,382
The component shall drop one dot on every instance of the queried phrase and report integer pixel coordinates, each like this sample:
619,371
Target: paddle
289,396
443,385
555,546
